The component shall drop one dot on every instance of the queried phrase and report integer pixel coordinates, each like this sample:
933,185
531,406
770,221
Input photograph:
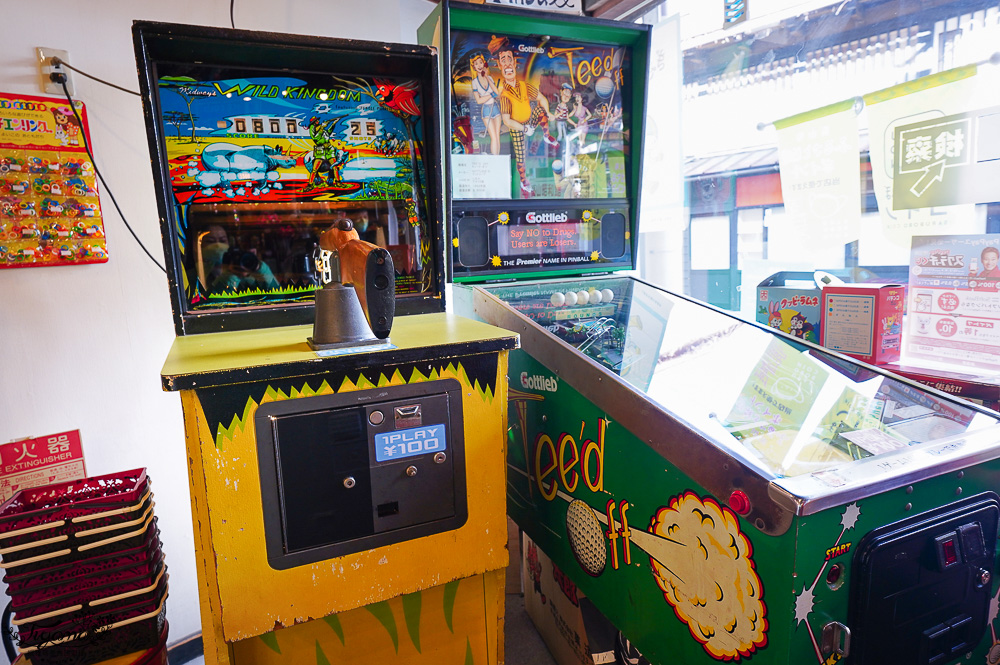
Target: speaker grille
473,241
613,235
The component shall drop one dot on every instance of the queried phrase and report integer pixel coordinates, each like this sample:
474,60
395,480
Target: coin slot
388,509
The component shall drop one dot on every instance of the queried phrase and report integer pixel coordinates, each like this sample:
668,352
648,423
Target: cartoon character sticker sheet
292,145
50,214
545,114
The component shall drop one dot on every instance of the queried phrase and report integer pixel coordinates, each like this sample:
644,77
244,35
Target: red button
950,555
739,502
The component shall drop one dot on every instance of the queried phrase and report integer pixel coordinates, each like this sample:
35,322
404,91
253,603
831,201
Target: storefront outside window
826,137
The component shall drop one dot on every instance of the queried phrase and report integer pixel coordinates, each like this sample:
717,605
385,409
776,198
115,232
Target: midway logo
539,382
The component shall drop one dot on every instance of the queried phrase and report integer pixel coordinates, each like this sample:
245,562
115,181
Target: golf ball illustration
586,538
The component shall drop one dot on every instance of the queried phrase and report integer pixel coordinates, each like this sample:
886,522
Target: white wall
81,346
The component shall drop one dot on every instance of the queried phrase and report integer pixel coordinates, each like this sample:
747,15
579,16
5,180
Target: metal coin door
345,473
945,556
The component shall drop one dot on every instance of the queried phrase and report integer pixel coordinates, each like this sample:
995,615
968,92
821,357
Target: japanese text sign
946,160
41,461
954,301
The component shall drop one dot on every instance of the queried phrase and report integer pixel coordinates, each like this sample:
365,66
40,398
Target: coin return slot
387,509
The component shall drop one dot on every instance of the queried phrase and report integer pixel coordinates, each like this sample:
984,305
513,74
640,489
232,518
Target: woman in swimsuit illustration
580,117
484,89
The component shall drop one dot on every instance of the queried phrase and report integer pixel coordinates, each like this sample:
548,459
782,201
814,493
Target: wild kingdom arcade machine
345,458
720,491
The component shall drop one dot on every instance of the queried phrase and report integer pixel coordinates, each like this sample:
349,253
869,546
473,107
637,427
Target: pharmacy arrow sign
932,173
946,160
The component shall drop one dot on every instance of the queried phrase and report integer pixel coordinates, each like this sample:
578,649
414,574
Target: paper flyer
780,390
954,302
819,182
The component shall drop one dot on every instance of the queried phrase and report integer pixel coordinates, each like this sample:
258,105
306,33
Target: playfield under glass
787,407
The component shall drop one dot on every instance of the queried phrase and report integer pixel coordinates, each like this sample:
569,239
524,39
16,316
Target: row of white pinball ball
584,297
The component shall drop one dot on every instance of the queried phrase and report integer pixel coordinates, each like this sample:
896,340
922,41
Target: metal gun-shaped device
357,301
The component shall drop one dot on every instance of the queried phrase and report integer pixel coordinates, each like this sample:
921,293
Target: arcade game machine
725,492
347,472
721,491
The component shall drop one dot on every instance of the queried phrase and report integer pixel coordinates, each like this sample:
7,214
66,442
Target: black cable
232,21
62,81
56,62
7,632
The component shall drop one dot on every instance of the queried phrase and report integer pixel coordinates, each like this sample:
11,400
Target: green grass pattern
411,612
412,609
450,591
321,658
271,640
334,622
383,613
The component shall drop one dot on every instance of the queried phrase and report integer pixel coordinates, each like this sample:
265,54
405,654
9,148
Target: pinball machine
718,490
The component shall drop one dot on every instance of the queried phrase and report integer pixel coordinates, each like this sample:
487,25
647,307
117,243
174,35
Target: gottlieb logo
530,49
545,217
539,382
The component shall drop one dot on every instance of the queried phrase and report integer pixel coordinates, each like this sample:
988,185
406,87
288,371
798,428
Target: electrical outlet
45,67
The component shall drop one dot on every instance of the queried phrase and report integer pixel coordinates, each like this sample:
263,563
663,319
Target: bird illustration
399,99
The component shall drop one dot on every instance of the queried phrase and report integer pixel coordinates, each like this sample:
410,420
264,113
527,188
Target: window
823,198
710,243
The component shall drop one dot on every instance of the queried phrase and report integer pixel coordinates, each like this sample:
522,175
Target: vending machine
344,434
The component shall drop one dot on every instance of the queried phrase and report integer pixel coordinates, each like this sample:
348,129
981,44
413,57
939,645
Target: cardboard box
864,321
790,301
573,629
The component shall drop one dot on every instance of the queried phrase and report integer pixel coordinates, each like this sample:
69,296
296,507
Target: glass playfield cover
784,407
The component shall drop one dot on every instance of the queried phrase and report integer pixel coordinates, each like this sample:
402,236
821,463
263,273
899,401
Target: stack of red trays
84,569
